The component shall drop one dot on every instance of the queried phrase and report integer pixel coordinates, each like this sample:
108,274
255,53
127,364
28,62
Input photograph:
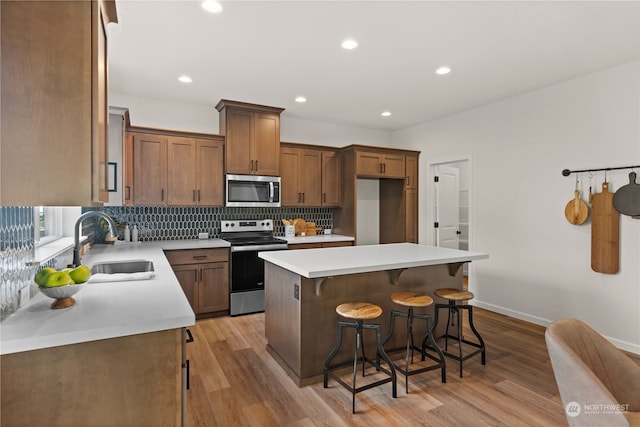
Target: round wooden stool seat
453,294
359,310
411,299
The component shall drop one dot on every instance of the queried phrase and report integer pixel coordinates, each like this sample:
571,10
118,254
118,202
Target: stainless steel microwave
251,191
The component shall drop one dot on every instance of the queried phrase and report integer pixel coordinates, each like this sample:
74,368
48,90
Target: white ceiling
268,52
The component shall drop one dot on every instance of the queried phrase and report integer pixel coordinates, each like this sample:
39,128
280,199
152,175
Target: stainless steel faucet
76,235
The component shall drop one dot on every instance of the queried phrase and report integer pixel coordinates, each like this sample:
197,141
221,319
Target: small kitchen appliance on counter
247,238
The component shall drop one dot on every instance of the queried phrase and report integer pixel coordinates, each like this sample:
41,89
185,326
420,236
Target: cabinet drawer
196,256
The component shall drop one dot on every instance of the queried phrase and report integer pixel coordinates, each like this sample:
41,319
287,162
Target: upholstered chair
599,384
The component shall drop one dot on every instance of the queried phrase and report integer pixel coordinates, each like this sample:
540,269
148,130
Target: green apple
41,276
80,274
58,278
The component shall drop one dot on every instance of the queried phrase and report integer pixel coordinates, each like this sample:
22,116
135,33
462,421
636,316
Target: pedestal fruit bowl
61,285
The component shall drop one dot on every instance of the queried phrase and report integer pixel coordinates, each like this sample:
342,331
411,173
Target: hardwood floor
235,382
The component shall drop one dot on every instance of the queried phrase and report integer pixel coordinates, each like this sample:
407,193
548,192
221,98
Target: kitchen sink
125,266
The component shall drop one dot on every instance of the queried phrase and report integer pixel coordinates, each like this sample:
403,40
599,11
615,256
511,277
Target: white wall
539,266
155,113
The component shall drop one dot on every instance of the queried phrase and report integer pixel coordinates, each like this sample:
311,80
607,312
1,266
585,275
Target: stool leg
355,367
428,336
409,348
459,318
386,358
475,332
335,350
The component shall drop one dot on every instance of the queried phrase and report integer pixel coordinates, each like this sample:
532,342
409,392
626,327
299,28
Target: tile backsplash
16,255
181,223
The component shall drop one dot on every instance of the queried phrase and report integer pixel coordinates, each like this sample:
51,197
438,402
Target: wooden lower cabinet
128,381
319,245
204,277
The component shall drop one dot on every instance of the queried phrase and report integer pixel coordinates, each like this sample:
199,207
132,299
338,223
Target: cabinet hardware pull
302,197
128,194
256,166
324,197
384,168
251,167
162,195
199,257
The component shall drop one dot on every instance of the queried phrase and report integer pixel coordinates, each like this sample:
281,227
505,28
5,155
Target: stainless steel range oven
247,238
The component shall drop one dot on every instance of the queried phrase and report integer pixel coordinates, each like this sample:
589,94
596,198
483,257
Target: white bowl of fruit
61,285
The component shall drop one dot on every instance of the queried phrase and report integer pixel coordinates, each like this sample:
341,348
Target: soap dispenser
127,233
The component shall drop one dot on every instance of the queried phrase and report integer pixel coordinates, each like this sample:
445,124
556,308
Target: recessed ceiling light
443,70
349,44
212,6
185,79
385,113
301,99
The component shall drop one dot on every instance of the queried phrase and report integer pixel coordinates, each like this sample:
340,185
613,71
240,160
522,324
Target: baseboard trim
621,344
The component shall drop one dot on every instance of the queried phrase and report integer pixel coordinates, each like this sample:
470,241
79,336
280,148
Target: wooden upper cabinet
210,175
252,137
331,178
300,174
149,169
170,168
54,108
380,164
181,171
411,167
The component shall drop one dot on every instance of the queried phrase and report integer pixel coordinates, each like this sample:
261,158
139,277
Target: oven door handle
259,248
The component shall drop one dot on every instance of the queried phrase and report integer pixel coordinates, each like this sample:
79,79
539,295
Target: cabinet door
239,134
54,92
265,148
213,288
411,215
210,175
310,177
331,178
181,171
368,164
393,166
188,278
290,193
411,168
149,169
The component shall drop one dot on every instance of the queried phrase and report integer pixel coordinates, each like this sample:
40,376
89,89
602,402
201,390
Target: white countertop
320,238
325,262
108,309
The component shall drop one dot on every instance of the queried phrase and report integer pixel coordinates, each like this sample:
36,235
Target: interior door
447,207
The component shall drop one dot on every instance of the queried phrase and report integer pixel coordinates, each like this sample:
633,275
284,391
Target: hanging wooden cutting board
605,232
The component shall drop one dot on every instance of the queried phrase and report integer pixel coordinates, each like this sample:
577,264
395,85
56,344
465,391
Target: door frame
428,233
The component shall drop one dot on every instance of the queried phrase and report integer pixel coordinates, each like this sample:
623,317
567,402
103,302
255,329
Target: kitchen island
303,288
116,357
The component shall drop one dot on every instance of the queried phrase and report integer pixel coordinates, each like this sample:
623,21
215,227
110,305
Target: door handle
256,166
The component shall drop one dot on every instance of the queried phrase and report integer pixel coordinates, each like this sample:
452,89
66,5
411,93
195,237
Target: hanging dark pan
627,198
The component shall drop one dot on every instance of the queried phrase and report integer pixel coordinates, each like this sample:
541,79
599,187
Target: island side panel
282,316
134,380
318,318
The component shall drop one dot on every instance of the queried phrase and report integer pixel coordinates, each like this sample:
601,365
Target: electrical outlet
25,294
296,291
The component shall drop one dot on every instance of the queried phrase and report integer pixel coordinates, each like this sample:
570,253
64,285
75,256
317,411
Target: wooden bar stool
413,300
455,298
359,311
